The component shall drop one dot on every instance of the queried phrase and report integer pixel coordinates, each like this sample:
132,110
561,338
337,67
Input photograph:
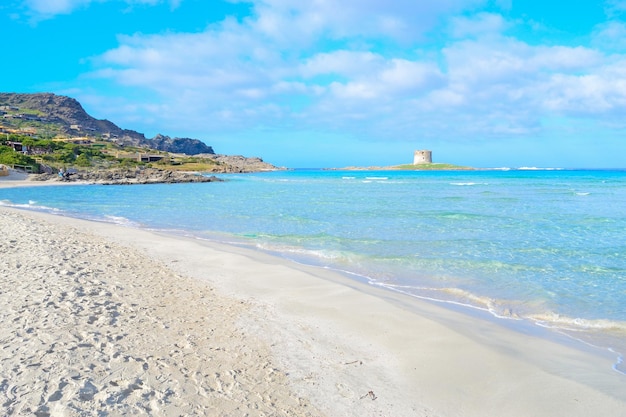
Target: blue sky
323,83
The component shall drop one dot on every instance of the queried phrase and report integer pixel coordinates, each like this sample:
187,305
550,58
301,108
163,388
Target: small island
422,161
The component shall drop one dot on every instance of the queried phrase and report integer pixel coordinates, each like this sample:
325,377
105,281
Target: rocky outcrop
240,164
129,176
186,146
160,142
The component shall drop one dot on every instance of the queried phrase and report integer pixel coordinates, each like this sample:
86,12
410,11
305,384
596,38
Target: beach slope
99,318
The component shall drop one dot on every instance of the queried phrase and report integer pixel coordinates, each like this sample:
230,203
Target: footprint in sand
58,394
87,392
344,391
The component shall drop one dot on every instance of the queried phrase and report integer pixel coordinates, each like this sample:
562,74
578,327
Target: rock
238,163
186,146
131,176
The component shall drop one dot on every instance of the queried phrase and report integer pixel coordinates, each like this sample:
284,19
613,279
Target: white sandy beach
98,318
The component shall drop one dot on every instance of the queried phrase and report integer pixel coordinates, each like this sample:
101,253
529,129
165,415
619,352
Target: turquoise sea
546,247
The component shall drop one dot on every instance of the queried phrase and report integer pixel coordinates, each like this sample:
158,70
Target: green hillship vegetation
44,132
39,155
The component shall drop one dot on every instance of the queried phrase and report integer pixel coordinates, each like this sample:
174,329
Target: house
17,146
139,157
28,131
77,140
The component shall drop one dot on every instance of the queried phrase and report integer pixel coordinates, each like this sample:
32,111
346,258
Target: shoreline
563,331
17,179
582,337
336,339
107,177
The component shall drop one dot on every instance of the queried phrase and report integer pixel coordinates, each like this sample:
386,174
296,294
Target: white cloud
303,65
506,87
219,61
602,92
507,60
563,58
610,35
615,7
480,24
46,9
402,20
341,62
396,79
54,7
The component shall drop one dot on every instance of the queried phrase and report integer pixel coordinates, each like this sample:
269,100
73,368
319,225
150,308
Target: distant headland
46,134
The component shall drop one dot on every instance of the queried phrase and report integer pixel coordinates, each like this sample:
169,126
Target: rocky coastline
128,177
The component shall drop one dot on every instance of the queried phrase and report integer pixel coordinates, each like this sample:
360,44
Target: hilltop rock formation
187,146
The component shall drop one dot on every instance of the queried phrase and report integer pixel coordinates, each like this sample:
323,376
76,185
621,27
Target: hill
50,115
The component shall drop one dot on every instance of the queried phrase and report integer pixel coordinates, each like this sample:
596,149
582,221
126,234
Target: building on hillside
17,146
422,157
28,131
139,157
83,140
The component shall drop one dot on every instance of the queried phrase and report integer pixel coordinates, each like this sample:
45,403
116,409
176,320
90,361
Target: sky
334,83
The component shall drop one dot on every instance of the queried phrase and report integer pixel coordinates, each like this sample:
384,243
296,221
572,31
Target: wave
498,308
597,333
468,183
122,221
601,334
32,205
575,324
538,169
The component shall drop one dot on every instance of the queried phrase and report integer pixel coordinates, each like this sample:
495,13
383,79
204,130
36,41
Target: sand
22,179
99,319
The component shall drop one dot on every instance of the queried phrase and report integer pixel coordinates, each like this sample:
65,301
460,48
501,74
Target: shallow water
546,246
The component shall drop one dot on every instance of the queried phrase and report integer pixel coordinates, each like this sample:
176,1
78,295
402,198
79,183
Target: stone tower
422,157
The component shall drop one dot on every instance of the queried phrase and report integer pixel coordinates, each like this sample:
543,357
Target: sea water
540,246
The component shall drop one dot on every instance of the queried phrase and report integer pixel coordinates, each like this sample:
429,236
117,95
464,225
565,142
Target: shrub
11,157
82,160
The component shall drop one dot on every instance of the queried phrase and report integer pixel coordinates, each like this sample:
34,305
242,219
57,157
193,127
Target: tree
82,160
65,156
9,157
